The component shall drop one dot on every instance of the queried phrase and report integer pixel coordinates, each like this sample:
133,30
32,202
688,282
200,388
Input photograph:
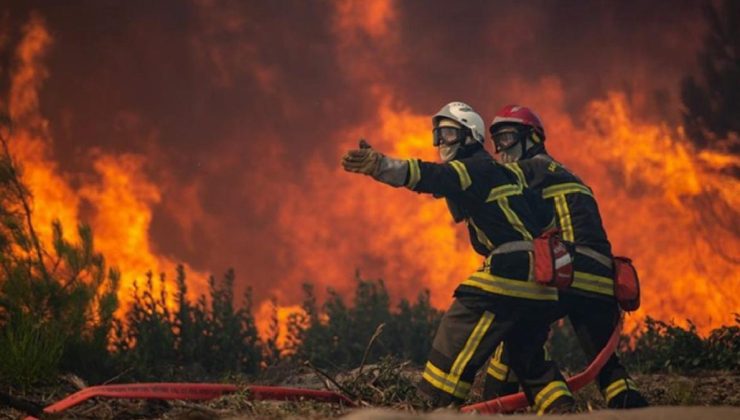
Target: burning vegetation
242,171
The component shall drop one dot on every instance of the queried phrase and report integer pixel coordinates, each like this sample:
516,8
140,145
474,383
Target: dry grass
389,384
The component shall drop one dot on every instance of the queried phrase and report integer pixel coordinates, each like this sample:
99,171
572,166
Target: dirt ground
652,413
714,395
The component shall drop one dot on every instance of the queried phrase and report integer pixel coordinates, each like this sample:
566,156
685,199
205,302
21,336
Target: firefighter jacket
490,199
577,215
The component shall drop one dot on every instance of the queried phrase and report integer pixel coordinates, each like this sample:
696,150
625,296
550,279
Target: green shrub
657,347
337,335
159,340
723,347
29,351
60,295
664,346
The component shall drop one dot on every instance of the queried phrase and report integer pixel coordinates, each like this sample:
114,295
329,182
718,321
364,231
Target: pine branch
22,194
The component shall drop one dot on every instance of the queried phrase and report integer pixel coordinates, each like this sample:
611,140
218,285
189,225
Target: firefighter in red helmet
499,302
519,139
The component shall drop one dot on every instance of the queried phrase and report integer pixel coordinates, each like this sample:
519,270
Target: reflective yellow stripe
614,389
414,173
549,394
497,368
546,404
564,219
497,371
547,390
618,386
440,380
593,283
451,383
514,167
484,323
462,173
516,223
482,238
565,188
499,353
503,191
508,287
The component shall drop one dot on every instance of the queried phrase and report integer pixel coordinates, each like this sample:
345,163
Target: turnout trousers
469,333
594,320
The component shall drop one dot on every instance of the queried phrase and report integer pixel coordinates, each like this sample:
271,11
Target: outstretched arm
369,161
442,179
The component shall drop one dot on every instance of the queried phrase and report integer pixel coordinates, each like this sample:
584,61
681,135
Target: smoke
229,119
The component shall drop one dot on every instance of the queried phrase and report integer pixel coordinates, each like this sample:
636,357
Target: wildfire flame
669,207
120,195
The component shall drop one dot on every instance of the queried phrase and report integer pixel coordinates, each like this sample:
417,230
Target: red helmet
519,115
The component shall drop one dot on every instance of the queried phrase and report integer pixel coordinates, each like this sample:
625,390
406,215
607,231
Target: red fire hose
185,391
510,403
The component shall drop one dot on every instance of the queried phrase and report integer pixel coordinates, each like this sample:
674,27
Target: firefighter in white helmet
500,301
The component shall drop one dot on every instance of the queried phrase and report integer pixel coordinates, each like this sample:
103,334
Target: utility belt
626,281
597,256
553,258
553,266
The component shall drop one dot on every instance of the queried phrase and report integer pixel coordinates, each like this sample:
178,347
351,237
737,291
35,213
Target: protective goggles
449,135
507,137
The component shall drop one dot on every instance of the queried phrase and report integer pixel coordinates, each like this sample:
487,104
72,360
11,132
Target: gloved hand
364,160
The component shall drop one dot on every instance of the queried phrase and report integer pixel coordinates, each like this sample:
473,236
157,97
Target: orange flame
652,188
666,205
672,210
653,191
269,316
122,197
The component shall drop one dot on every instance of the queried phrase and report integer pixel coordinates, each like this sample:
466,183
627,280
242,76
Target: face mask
512,154
448,152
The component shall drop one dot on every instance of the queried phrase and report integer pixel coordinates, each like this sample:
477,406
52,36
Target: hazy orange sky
209,132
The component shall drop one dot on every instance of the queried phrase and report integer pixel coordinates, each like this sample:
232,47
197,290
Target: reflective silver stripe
513,246
597,256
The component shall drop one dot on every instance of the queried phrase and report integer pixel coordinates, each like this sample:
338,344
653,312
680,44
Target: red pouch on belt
553,261
626,284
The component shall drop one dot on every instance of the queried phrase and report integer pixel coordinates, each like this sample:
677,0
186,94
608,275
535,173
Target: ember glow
216,142
120,197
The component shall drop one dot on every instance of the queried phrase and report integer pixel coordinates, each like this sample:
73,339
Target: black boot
563,405
629,398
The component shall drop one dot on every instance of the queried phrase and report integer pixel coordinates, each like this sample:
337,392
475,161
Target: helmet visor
448,135
506,138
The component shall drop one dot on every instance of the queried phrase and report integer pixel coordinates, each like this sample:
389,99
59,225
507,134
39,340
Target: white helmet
464,115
